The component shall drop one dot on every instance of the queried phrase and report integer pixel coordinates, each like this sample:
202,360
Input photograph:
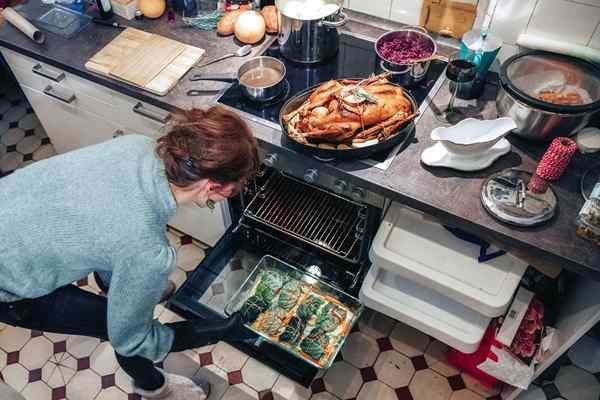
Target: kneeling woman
104,209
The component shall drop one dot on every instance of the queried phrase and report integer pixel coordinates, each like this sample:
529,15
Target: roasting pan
402,137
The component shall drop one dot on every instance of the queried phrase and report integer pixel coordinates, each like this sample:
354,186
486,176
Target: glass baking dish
312,287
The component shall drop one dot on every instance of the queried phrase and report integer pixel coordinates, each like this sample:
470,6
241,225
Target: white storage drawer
51,74
423,251
424,309
68,127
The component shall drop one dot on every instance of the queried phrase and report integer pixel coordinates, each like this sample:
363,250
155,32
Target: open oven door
206,292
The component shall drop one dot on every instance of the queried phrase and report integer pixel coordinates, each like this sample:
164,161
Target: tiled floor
22,138
382,359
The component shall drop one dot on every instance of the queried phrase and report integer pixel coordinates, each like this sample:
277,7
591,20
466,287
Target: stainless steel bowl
525,77
411,73
537,124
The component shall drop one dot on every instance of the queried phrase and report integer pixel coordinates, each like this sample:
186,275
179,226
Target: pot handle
215,77
341,20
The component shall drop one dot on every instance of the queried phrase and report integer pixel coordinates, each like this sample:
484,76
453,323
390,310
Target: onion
250,27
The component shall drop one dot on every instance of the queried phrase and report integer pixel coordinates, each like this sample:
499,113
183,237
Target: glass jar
588,220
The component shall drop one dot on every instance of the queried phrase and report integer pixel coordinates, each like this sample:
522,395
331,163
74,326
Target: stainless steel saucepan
260,79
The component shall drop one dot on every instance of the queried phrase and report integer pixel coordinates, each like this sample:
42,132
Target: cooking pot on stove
308,29
548,95
412,72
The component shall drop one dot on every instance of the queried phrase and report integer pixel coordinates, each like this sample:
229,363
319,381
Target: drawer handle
49,90
118,133
157,116
55,76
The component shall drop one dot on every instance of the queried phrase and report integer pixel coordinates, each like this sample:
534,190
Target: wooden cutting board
145,60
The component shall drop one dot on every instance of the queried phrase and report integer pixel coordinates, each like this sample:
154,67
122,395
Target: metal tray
318,287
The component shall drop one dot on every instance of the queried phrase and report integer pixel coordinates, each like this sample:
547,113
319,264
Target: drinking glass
459,71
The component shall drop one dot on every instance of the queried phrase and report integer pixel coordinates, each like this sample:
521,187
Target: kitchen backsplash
572,21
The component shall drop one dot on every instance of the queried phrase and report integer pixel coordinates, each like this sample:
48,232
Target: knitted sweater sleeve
136,285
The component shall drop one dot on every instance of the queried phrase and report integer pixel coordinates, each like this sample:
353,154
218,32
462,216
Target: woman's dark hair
214,143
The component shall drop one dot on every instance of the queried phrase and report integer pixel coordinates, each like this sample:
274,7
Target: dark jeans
73,311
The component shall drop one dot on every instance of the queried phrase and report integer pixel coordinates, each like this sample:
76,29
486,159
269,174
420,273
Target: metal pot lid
477,40
506,197
552,82
309,10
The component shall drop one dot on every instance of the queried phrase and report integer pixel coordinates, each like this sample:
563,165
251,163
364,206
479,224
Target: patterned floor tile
29,121
286,389
180,364
13,339
475,386
437,359
37,391
360,350
575,383
408,341
36,352
240,392
168,316
376,390
85,385
465,394
189,256
394,369
81,346
10,161
217,379
375,324
112,393
46,151
29,145
103,360
16,376
428,385
323,396
51,375
258,376
123,381
228,357
14,114
343,380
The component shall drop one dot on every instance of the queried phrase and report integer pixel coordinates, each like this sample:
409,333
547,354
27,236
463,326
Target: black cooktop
355,59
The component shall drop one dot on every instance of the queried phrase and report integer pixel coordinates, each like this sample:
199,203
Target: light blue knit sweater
102,208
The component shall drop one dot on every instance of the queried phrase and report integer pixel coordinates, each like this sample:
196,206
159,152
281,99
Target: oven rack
311,214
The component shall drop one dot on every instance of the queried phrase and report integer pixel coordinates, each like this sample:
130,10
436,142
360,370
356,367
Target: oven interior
324,234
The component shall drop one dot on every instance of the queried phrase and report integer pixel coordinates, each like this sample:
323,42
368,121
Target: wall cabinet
76,112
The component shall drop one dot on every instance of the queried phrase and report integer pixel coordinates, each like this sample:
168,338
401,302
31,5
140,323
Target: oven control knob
339,187
311,175
271,160
357,194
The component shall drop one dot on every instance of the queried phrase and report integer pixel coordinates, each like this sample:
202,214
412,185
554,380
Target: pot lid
477,40
552,82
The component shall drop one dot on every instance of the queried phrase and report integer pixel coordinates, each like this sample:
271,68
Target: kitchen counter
451,196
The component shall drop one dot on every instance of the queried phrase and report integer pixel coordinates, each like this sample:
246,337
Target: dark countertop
451,196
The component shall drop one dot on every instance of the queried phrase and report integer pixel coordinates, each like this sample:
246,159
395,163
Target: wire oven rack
311,214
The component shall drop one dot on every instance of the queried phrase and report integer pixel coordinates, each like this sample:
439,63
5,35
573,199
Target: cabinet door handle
118,133
157,116
55,76
49,90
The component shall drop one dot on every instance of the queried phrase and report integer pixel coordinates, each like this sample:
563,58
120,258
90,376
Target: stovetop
356,59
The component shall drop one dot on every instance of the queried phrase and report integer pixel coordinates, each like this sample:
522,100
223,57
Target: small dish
472,135
439,156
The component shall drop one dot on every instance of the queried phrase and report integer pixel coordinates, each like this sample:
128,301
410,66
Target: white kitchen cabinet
76,112
68,128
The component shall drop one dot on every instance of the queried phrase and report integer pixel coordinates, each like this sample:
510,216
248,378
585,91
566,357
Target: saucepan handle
215,77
